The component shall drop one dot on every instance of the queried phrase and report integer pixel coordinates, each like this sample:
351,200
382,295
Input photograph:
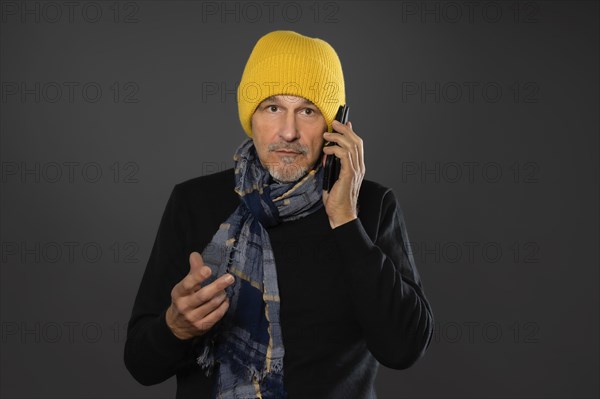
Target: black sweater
350,297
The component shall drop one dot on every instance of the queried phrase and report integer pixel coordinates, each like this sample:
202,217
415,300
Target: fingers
191,283
209,292
345,156
196,308
348,140
196,261
208,305
361,152
197,321
345,130
207,322
195,305
198,273
207,308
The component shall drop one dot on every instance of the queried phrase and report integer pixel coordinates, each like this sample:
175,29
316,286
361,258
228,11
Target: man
261,284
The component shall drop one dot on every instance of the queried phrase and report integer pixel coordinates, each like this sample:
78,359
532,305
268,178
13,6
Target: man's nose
289,129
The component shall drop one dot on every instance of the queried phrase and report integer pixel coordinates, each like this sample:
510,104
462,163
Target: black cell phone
331,172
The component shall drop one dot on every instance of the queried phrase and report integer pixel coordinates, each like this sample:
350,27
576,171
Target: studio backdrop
481,116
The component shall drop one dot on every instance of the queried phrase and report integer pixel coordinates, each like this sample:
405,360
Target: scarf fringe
206,360
277,365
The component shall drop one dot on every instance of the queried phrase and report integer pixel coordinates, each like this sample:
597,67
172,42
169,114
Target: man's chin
288,176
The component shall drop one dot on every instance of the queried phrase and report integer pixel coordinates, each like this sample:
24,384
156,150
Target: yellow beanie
288,63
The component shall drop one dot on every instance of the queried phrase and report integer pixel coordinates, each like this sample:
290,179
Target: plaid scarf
246,346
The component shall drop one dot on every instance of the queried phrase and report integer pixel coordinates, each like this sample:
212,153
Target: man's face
288,136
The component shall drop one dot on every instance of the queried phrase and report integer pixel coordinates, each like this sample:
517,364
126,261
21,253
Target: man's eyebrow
269,99
275,100
307,102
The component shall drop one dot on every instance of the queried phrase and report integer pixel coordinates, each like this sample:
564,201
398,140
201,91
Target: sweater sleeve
390,304
152,352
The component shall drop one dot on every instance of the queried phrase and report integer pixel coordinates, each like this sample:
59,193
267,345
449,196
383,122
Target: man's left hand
341,202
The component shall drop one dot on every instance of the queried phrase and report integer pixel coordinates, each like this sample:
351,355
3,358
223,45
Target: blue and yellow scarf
245,348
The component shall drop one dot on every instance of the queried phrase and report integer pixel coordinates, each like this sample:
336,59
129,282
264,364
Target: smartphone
331,172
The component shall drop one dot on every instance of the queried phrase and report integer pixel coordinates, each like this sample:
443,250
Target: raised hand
195,309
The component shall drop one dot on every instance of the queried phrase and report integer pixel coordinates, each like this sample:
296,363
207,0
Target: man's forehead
279,97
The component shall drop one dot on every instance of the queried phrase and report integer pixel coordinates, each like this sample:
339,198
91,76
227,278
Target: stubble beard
287,171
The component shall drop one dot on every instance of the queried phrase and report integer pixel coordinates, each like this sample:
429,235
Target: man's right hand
196,309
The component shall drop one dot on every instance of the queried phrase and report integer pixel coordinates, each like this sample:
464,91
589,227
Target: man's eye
272,108
309,111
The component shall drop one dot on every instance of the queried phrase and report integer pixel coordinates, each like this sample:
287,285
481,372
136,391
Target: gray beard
288,174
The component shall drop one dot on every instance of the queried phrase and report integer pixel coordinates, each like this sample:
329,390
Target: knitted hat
288,63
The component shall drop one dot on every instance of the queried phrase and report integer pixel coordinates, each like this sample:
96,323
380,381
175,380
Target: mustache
288,147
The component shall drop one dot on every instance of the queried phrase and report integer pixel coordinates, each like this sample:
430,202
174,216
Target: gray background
499,185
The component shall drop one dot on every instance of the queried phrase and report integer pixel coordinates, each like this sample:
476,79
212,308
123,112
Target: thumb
197,266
